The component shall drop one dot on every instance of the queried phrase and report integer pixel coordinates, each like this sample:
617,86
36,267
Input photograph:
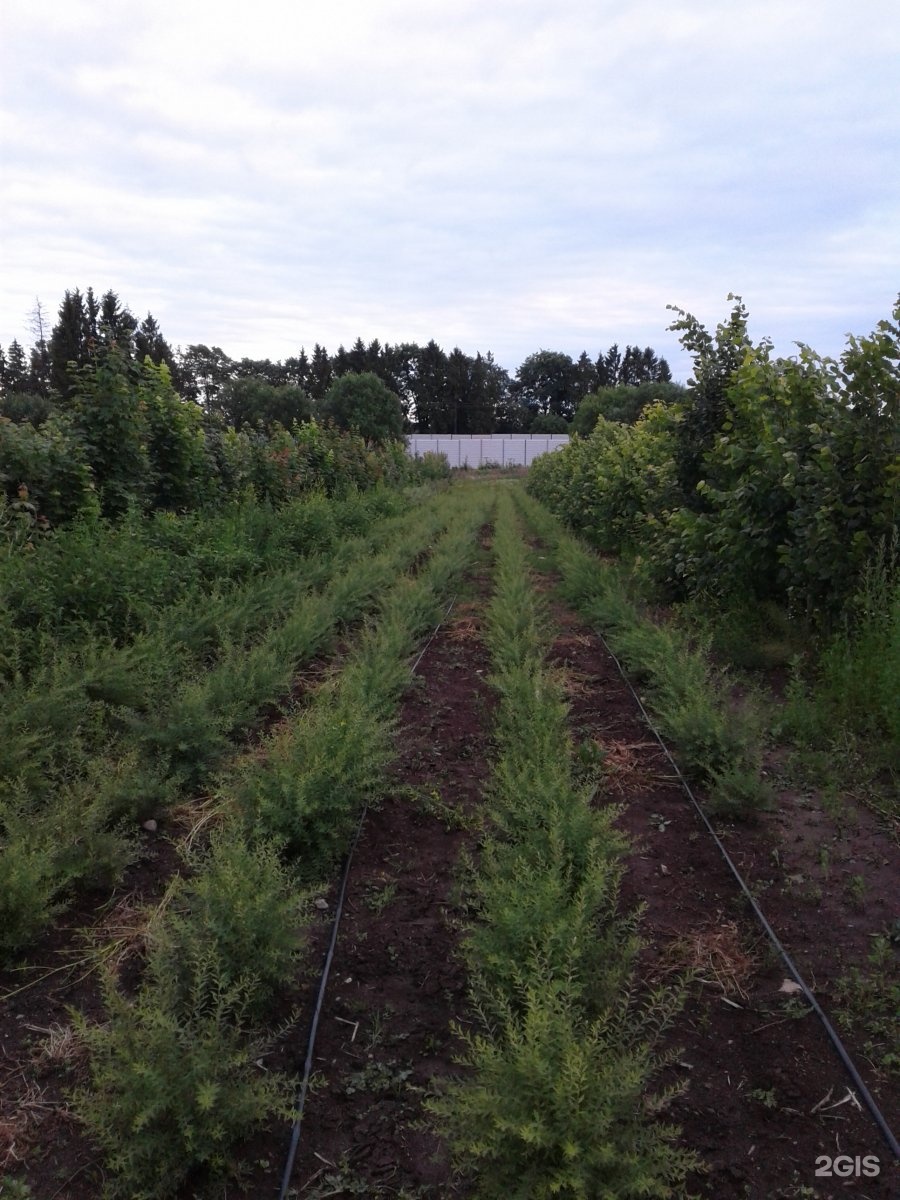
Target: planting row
174,1081
718,743
554,1100
84,761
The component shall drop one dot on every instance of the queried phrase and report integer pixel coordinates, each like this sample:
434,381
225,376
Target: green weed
868,1001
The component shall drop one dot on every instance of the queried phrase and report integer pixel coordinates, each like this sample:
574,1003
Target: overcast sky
505,175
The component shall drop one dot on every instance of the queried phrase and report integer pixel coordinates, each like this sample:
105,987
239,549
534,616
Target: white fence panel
474,450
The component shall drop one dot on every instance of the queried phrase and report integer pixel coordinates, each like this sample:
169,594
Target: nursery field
369,769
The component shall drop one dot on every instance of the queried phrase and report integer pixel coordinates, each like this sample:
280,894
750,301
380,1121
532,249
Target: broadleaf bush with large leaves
774,478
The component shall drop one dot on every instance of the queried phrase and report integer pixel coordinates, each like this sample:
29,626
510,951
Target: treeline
123,438
439,392
771,479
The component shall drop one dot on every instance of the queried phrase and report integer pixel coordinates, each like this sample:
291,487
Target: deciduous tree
363,403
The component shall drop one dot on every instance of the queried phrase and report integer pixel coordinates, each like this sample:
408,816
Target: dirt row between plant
396,982
765,1095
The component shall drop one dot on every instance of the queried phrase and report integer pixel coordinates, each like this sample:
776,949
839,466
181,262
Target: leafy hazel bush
613,484
772,478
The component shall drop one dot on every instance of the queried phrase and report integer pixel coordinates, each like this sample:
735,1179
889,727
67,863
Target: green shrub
859,673
364,403
239,909
432,466
29,890
171,1093
540,912
52,462
557,1108
308,788
739,792
774,479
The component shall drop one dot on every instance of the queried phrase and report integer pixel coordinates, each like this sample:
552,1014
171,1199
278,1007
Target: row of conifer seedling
175,1081
106,736
556,1098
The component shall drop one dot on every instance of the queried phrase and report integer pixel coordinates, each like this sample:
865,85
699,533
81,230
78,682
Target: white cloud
508,176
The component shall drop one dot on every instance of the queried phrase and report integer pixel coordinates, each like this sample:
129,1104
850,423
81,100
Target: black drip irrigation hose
836,1042
326,967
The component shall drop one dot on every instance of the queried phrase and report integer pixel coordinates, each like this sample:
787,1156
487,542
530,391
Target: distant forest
439,392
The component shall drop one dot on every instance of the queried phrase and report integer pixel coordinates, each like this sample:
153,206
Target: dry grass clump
714,954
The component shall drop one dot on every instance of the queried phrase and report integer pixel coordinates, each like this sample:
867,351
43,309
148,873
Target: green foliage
365,404
29,887
240,909
549,423
859,673
251,401
15,1189
126,430
308,789
554,1099
540,909
774,484
103,736
775,479
174,1090
180,469
717,743
547,382
554,1107
622,404
716,358
52,463
434,466
110,417
173,1077
612,485
853,691
738,792
112,581
868,1001
26,406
